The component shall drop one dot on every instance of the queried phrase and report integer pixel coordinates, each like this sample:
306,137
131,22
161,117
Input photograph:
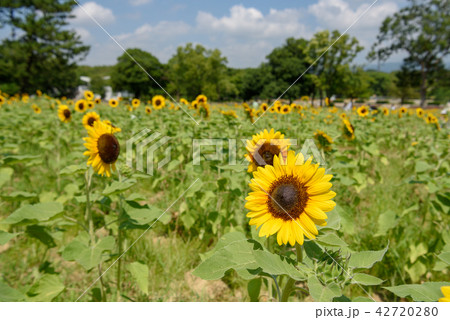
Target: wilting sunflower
201,98
419,112
446,292
112,127
348,130
290,198
363,111
323,140
113,103
64,113
89,119
158,102
263,147
103,148
135,103
385,111
98,101
89,95
36,109
148,110
90,104
81,105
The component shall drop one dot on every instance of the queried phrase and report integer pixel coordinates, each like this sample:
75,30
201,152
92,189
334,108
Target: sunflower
135,103
201,98
25,98
39,92
403,110
272,109
304,98
285,109
158,102
103,148
278,108
343,116
2,99
36,109
89,95
89,119
348,130
194,104
148,110
290,198
98,101
363,111
263,107
81,105
419,112
446,292
184,101
90,104
385,111
229,114
64,113
323,140
263,147
113,103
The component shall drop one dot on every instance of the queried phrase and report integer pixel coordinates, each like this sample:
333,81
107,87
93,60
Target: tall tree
41,52
336,55
128,75
422,29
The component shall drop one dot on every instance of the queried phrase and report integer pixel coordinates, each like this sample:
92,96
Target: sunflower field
302,203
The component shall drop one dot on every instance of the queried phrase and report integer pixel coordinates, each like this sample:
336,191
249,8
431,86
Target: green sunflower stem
119,242
289,286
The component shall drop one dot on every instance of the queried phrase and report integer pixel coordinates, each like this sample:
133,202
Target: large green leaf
234,251
141,215
35,213
8,294
46,289
386,221
331,240
253,289
73,169
416,251
139,271
6,236
428,291
366,259
118,187
88,257
41,233
276,265
13,159
366,279
445,256
321,293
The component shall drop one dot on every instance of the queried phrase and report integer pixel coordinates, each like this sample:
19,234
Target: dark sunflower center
91,121
157,102
66,113
81,106
267,152
285,110
287,199
108,148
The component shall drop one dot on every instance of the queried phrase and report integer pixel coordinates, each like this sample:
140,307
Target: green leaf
73,250
139,271
422,166
91,257
35,213
277,265
428,291
73,169
416,271
366,259
141,215
444,256
234,251
366,279
6,236
19,196
5,175
46,289
40,233
331,240
386,221
8,294
253,289
118,187
321,293
417,251
13,159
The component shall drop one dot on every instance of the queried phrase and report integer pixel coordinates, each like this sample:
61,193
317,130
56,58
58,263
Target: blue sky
245,31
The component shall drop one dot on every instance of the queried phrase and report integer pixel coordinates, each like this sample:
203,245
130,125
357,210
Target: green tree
134,77
195,70
337,54
381,83
355,83
422,30
407,82
41,52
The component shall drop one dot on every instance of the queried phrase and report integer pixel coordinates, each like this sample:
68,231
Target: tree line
42,53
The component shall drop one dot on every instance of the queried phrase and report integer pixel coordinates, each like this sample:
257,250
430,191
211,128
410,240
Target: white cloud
84,34
139,2
82,16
